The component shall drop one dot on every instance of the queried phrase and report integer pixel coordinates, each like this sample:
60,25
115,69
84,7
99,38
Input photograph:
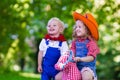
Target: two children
84,46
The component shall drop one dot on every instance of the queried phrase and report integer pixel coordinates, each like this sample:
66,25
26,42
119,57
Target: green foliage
23,25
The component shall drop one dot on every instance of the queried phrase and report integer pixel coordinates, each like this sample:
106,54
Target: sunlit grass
19,76
29,75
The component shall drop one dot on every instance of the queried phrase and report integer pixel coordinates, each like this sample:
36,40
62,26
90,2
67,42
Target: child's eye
54,25
79,26
48,26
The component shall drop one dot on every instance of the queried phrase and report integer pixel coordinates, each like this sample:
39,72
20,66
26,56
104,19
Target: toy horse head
64,60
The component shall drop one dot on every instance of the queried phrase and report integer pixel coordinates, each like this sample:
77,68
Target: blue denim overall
82,51
50,59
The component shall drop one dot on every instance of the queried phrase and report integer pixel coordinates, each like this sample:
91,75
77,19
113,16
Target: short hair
58,20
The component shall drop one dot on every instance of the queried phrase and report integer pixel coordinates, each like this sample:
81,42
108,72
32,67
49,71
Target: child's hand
77,59
39,68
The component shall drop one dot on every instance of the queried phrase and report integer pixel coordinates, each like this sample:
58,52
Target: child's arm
93,50
42,48
84,59
72,47
40,56
64,48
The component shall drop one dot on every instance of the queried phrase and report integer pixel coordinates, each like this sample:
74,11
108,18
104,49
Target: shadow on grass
19,76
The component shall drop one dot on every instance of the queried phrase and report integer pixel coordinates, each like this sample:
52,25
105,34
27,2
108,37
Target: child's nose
77,29
51,26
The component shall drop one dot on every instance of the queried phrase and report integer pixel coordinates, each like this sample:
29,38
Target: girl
51,48
84,45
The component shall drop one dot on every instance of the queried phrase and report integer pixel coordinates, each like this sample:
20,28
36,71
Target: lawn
19,76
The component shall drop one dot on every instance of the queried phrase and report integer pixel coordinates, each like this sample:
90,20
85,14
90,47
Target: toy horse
68,67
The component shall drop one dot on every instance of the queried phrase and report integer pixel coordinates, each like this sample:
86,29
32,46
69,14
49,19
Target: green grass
19,76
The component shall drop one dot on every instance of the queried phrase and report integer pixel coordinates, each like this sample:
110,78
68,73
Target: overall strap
86,41
60,44
46,41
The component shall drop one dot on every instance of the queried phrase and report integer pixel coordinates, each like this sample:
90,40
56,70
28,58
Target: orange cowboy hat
90,22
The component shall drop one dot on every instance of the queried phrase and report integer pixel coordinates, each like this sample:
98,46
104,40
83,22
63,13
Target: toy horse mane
64,60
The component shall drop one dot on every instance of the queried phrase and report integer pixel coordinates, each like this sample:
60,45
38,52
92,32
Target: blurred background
23,25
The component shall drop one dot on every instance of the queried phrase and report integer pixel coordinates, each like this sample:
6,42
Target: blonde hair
59,21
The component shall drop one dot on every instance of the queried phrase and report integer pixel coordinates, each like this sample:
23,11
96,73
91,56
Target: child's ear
61,30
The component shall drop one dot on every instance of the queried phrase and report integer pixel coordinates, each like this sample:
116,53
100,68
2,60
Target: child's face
54,28
80,29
